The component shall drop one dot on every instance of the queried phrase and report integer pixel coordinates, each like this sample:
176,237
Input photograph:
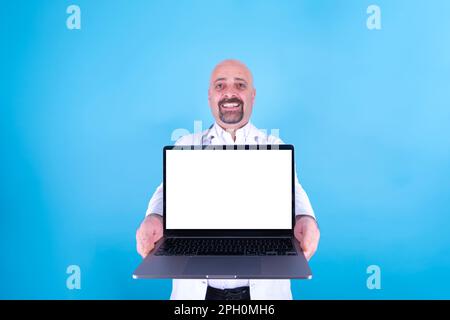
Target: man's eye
241,86
219,86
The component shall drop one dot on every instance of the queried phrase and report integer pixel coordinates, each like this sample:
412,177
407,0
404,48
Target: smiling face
231,94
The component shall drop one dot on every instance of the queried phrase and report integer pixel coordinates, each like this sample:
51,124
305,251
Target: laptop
228,214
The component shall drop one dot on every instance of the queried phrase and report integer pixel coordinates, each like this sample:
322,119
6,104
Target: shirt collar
241,133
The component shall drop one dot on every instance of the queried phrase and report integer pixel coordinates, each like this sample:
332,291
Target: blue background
84,114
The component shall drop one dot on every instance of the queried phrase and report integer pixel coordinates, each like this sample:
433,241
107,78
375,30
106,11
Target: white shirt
216,135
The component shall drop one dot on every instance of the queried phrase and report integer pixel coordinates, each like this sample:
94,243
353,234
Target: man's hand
308,234
149,232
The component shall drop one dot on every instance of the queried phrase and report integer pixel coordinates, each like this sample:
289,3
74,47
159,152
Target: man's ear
209,96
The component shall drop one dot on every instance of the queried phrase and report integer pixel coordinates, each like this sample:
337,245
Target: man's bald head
231,94
233,64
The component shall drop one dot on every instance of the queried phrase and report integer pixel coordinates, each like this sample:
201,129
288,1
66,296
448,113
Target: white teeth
230,105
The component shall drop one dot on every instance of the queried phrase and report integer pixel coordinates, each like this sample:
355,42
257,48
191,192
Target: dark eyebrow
236,78
240,79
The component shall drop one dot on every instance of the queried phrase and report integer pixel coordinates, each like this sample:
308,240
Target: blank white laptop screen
228,189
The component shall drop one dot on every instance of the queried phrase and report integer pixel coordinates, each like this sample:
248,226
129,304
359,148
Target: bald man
231,96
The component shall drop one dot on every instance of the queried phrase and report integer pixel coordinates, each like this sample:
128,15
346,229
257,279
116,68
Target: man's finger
145,250
307,254
311,250
141,250
145,244
306,239
138,247
147,237
148,249
158,235
300,233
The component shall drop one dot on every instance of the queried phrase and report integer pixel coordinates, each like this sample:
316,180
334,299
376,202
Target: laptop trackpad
223,266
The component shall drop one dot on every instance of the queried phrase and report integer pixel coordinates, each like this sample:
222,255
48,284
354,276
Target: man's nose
228,97
230,93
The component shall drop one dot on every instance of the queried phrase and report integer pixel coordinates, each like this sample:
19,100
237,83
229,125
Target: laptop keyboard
226,246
